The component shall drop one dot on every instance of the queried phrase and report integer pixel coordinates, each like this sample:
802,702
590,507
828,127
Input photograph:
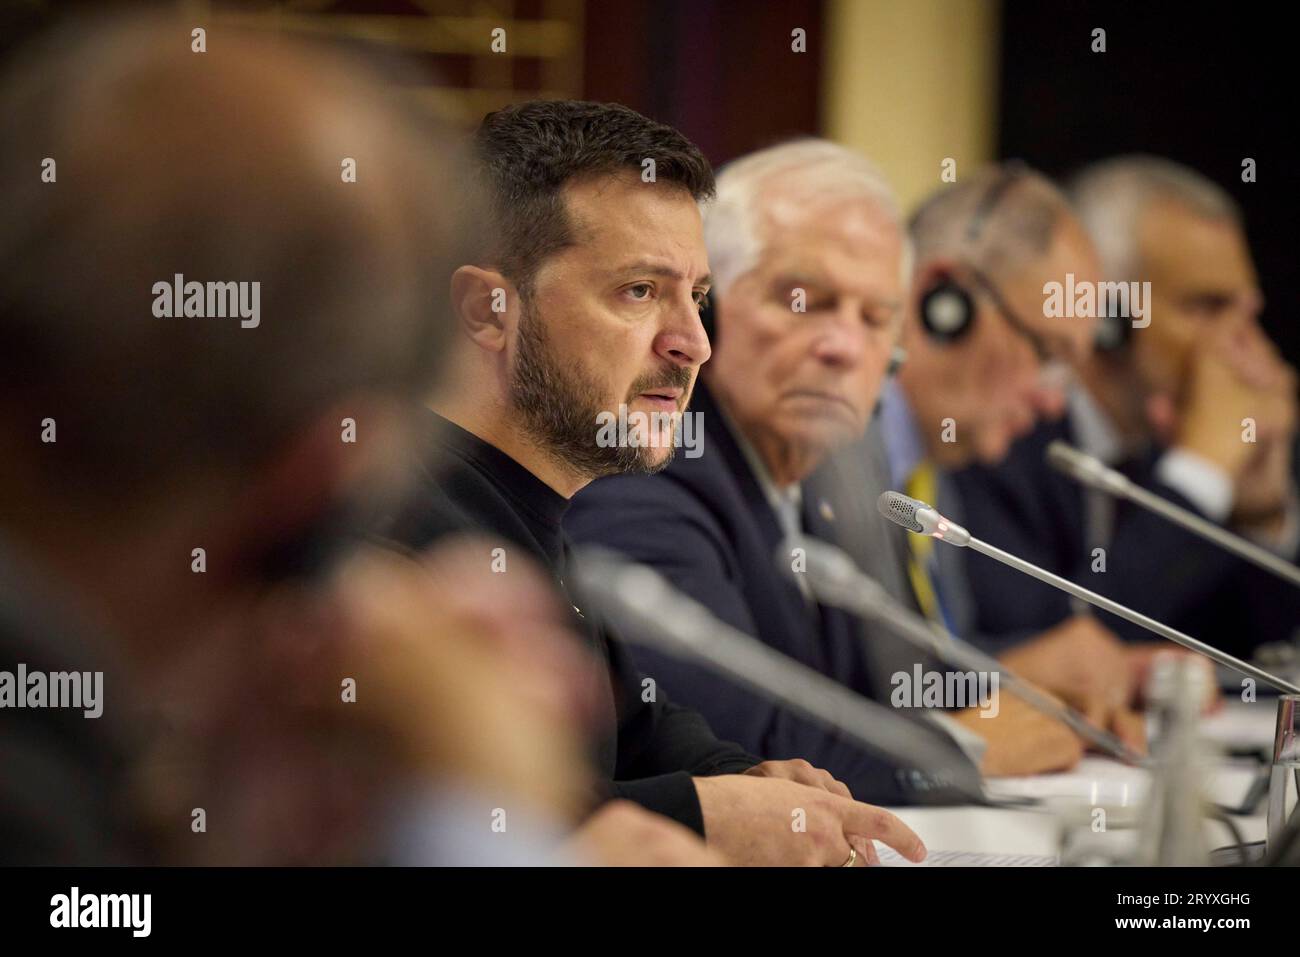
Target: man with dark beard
586,304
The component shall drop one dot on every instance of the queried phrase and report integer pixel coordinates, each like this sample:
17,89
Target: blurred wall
911,82
907,82
721,71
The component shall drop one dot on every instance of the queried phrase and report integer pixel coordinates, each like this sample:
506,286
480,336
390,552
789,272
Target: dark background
1206,85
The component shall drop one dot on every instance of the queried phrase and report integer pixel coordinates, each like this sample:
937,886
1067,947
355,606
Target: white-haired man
810,259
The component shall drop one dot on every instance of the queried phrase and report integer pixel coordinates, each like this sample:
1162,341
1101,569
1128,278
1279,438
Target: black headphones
947,307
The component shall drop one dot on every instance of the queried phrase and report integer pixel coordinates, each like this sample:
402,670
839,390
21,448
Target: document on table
891,858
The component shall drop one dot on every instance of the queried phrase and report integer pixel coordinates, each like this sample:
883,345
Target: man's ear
485,303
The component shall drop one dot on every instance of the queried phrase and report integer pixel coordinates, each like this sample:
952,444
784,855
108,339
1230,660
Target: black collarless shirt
649,751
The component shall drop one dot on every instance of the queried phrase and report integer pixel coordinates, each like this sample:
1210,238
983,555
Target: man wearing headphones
1191,401
984,363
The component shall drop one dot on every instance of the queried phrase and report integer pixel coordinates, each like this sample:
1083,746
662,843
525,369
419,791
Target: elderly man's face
804,337
1201,276
973,397
614,320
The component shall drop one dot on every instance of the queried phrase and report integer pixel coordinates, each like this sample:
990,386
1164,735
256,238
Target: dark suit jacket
706,525
1026,507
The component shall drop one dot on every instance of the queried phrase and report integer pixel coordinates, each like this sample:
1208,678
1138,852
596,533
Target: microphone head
901,510
641,602
828,569
916,516
1084,468
834,576
821,559
1064,457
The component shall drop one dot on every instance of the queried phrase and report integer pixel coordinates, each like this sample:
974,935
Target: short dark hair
528,152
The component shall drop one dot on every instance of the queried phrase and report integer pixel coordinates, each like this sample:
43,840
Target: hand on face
1235,374
1203,346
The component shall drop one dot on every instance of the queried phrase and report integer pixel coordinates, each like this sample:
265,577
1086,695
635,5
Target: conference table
985,836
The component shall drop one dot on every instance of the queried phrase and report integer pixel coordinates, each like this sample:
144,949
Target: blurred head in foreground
222,279
197,305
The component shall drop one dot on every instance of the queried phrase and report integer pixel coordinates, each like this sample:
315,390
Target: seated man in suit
810,262
584,299
1190,399
984,361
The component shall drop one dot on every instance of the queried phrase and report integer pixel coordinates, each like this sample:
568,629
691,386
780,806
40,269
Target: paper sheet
891,858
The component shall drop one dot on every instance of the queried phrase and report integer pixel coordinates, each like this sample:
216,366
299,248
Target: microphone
925,520
836,580
915,516
1094,473
651,612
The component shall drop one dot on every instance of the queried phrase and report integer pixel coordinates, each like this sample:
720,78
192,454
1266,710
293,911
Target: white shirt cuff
1199,481
1207,487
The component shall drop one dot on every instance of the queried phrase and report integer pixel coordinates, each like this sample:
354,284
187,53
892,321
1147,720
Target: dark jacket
656,746
706,525
1151,565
